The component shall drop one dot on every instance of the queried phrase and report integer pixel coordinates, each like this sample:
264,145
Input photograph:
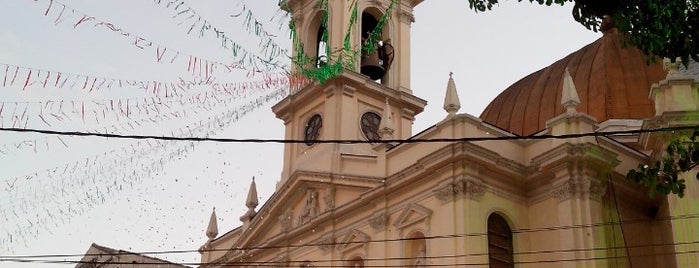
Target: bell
371,66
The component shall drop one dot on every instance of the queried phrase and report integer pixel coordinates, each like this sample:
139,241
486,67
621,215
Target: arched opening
321,44
416,248
500,249
375,62
315,43
306,264
356,262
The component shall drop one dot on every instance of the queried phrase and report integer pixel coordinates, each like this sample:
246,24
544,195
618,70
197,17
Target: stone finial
386,127
451,99
251,202
569,95
671,67
212,230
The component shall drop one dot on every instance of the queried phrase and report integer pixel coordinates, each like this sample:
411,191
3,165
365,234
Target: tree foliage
681,155
663,28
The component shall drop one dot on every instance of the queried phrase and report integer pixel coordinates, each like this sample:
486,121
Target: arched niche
500,241
416,249
369,19
313,45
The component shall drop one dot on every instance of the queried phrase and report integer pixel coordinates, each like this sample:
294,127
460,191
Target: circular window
370,126
312,131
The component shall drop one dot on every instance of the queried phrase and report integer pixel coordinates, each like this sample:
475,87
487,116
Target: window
306,264
356,262
499,242
321,48
312,130
370,123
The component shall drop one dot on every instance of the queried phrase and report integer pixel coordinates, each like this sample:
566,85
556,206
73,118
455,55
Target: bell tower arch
357,103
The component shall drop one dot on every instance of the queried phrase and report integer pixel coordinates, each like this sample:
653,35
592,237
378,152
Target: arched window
321,47
375,63
356,262
417,250
499,242
306,264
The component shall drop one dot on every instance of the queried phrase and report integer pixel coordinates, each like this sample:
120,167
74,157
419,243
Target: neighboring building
498,203
104,257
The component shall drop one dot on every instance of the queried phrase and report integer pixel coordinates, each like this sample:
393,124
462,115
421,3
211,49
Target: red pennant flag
47,78
26,82
58,77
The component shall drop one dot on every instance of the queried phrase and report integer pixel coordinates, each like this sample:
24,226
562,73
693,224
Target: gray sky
168,208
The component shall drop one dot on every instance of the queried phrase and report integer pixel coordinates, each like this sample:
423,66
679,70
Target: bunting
243,59
43,200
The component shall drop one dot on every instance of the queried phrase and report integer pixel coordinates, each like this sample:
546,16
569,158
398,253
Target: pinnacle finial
212,229
386,127
250,202
569,94
451,98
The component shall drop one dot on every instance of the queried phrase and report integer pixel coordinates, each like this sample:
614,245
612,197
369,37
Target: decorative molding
282,261
325,243
460,188
578,189
285,220
311,209
353,239
412,213
406,16
329,198
379,221
378,3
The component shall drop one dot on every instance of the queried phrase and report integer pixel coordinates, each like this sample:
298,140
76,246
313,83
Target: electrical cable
340,141
346,264
465,235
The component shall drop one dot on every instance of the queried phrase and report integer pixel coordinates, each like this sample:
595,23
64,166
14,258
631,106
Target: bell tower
372,39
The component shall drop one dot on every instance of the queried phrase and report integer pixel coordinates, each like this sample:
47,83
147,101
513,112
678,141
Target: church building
500,190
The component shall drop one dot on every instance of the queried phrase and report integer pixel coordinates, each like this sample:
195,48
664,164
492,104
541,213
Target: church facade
470,191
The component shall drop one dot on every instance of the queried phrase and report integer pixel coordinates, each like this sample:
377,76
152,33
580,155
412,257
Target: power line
473,234
316,263
340,141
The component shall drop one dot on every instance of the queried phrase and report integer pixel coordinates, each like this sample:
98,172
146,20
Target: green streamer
346,58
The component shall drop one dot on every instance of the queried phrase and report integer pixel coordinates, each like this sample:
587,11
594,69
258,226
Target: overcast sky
168,206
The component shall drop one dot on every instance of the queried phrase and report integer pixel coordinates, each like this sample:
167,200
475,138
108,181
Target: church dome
612,80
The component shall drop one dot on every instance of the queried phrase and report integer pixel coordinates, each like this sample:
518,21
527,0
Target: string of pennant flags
43,199
127,117
94,112
27,78
184,12
243,58
40,201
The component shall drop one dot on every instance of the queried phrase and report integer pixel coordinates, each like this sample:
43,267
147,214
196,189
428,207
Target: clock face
312,131
370,123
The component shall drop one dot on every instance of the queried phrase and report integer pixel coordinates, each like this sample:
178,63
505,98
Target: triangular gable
353,239
411,214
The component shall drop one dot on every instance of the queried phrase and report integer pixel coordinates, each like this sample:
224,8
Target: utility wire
473,234
391,141
346,264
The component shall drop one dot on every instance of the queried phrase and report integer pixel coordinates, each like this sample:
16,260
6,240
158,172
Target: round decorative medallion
312,130
370,123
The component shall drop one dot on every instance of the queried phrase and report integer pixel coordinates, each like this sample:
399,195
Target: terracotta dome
613,83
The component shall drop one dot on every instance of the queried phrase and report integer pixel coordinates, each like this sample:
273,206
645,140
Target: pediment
352,239
300,204
413,213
